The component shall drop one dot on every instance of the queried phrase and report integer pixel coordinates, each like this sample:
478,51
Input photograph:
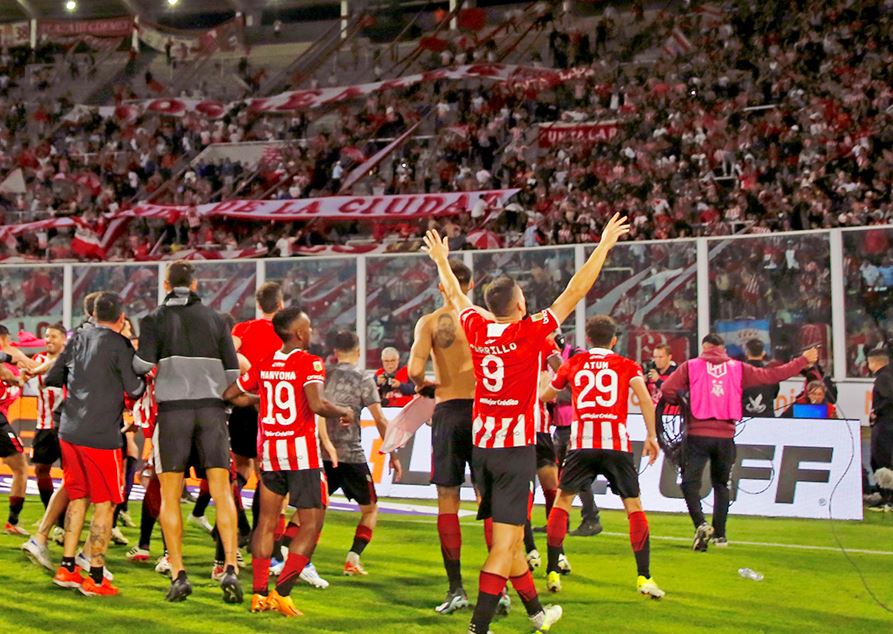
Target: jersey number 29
604,382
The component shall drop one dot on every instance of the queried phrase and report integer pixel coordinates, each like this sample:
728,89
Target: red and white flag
677,44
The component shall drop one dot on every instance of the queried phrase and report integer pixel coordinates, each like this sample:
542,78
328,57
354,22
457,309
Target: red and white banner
297,100
367,166
677,44
592,132
15,34
335,207
188,45
62,29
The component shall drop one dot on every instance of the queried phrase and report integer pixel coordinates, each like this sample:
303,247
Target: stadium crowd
711,137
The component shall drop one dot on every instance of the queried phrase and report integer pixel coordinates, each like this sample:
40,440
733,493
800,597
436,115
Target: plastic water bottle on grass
753,575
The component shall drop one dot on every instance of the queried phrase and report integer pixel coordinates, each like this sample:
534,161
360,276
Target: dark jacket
96,368
882,396
750,377
759,401
193,349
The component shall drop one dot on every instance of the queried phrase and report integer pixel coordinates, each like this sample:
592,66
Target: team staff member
394,385
506,347
96,369
439,337
759,400
348,470
255,340
193,350
715,384
882,418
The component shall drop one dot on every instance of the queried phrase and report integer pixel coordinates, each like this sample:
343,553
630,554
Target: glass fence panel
31,297
228,287
137,284
399,290
868,288
542,274
773,288
326,289
651,291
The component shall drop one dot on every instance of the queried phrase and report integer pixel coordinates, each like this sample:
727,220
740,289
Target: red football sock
290,531
556,529
488,532
526,589
640,539
361,538
260,566
549,494
280,529
290,573
450,535
490,583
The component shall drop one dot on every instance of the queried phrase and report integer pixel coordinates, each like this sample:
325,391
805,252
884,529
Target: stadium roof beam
132,8
27,8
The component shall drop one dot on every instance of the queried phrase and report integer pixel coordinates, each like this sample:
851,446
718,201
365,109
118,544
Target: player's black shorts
451,442
562,438
354,478
545,451
306,488
243,431
582,466
45,447
504,480
9,440
178,431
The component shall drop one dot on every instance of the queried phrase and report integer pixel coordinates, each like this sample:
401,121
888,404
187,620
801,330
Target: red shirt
287,436
396,398
549,348
49,399
9,394
259,340
145,408
507,359
599,382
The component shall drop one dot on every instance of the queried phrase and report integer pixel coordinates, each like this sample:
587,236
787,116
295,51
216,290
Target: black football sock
68,563
529,541
96,574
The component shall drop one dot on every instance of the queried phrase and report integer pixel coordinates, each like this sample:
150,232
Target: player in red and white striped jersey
290,385
45,447
600,382
506,350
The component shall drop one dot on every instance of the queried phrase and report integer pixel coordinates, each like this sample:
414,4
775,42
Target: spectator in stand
394,386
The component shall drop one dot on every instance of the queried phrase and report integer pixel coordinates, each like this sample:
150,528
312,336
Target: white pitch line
671,538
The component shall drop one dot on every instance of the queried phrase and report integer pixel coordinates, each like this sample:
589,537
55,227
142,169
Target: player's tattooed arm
583,279
419,354
439,252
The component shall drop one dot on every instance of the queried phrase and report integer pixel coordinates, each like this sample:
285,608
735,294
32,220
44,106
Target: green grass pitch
807,588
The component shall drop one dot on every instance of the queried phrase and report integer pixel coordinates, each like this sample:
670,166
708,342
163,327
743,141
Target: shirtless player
438,336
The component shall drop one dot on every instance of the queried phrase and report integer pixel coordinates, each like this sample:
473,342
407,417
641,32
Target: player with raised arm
290,387
439,336
600,382
506,347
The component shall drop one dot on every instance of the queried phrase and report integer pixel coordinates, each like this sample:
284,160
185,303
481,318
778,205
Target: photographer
759,400
394,386
881,421
658,369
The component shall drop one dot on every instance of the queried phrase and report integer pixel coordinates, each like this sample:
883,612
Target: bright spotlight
172,3
71,6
